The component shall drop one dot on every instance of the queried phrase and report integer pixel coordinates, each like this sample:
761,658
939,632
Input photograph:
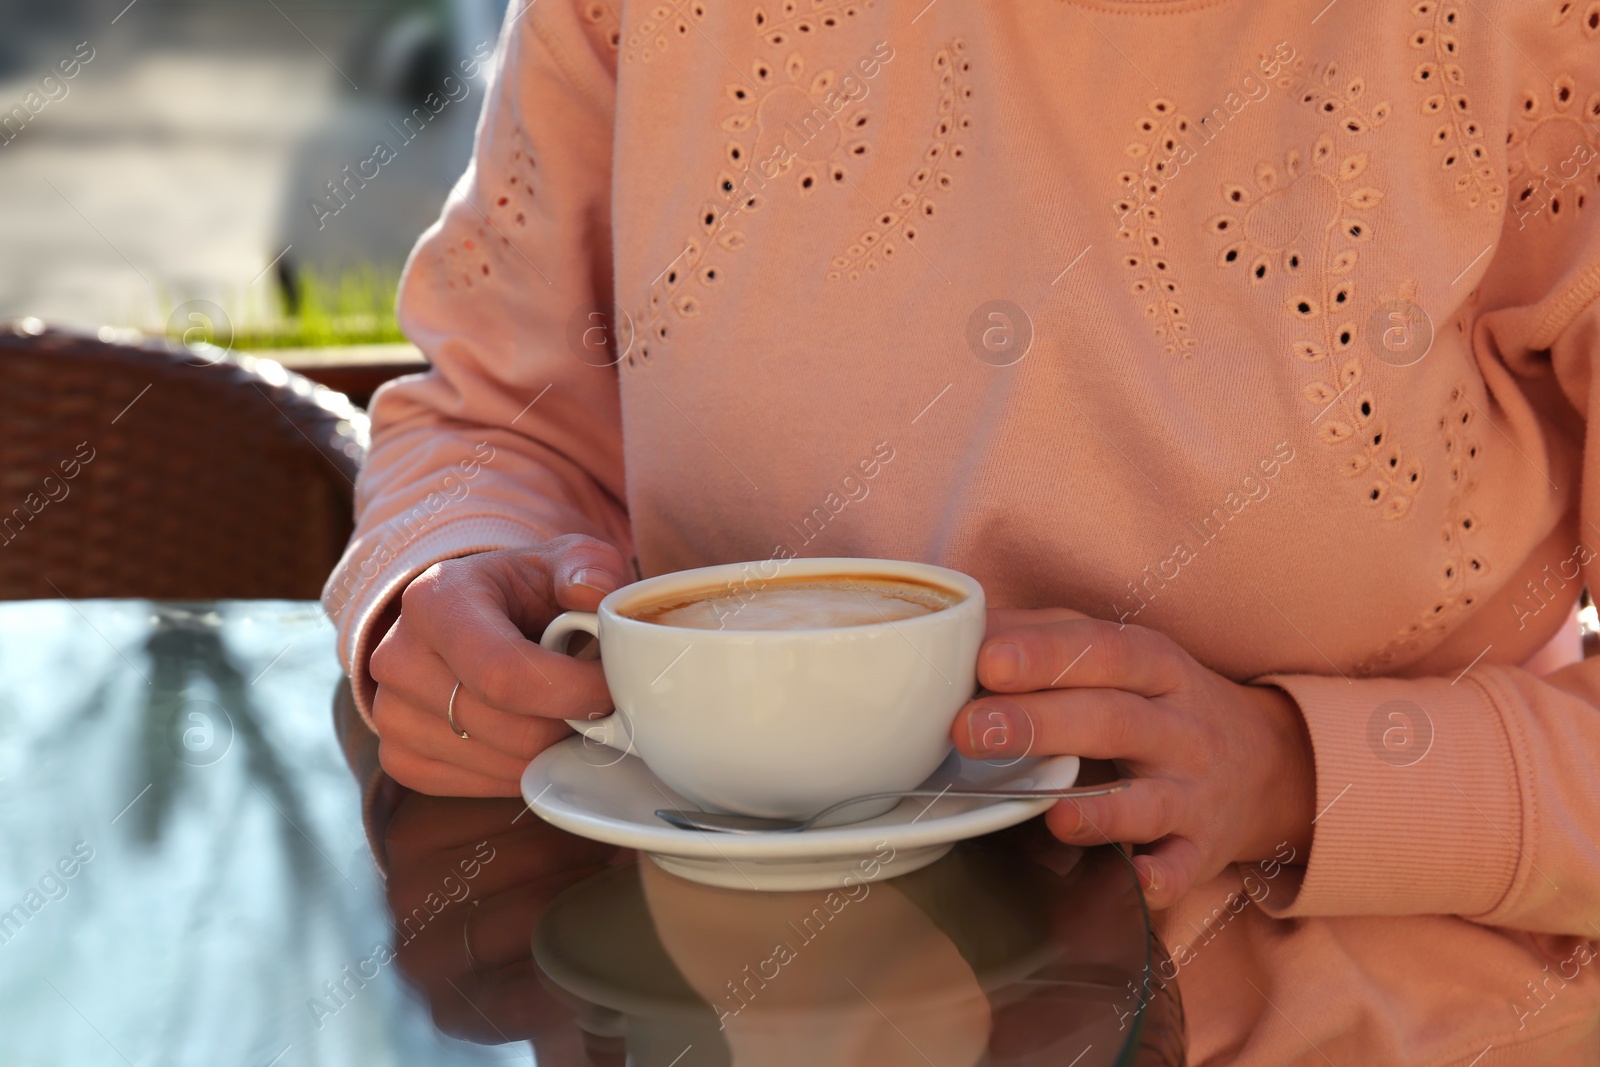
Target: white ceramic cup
783,723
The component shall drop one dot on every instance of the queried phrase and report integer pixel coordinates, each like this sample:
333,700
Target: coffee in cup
781,687
818,603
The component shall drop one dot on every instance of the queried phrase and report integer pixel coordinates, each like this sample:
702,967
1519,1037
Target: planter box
354,370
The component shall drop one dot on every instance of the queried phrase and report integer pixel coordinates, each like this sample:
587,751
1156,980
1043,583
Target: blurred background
162,152
166,507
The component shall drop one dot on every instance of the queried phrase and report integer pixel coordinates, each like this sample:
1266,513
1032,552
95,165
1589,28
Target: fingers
572,573
498,743
520,736
1167,870
418,678
1146,811
464,617
434,777
585,570
1100,724
1093,723
467,621
1081,652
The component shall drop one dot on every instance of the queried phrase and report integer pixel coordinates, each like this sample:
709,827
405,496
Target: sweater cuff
374,571
1418,809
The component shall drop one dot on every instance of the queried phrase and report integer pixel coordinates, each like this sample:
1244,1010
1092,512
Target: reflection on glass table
989,956
1011,950
193,875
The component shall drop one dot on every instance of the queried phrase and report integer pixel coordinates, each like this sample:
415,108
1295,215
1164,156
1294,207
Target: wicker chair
140,469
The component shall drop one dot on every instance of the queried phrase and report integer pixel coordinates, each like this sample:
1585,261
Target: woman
1241,350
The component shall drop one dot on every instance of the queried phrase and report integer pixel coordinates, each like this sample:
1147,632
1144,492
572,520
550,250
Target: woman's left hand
1221,772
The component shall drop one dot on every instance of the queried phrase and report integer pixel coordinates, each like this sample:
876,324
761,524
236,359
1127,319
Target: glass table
203,865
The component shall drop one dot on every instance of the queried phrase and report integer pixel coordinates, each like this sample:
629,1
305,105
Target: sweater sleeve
511,438
1475,795
1478,794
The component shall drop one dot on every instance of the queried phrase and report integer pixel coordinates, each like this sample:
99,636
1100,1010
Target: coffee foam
820,603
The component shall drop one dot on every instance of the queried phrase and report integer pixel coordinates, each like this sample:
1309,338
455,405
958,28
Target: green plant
355,307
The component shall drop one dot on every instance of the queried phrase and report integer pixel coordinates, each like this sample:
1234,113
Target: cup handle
605,731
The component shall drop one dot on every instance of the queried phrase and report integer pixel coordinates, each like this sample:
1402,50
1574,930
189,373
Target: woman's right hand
469,620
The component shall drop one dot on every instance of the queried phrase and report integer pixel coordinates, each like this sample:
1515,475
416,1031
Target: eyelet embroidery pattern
915,206
510,208
671,289
782,108
1443,79
1312,276
1589,21
1546,135
606,22
1390,480
467,262
1462,566
1139,207
1339,103
779,100
795,21
662,25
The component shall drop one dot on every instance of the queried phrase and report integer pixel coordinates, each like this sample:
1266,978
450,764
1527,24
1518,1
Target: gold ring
450,715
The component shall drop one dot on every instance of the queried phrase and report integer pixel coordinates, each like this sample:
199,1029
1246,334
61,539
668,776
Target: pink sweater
1291,361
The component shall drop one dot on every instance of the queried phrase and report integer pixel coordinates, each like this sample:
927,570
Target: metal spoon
717,822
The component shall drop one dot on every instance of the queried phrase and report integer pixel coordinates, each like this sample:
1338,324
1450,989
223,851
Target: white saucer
594,793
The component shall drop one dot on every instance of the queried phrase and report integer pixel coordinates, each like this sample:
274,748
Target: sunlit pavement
180,159
151,181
